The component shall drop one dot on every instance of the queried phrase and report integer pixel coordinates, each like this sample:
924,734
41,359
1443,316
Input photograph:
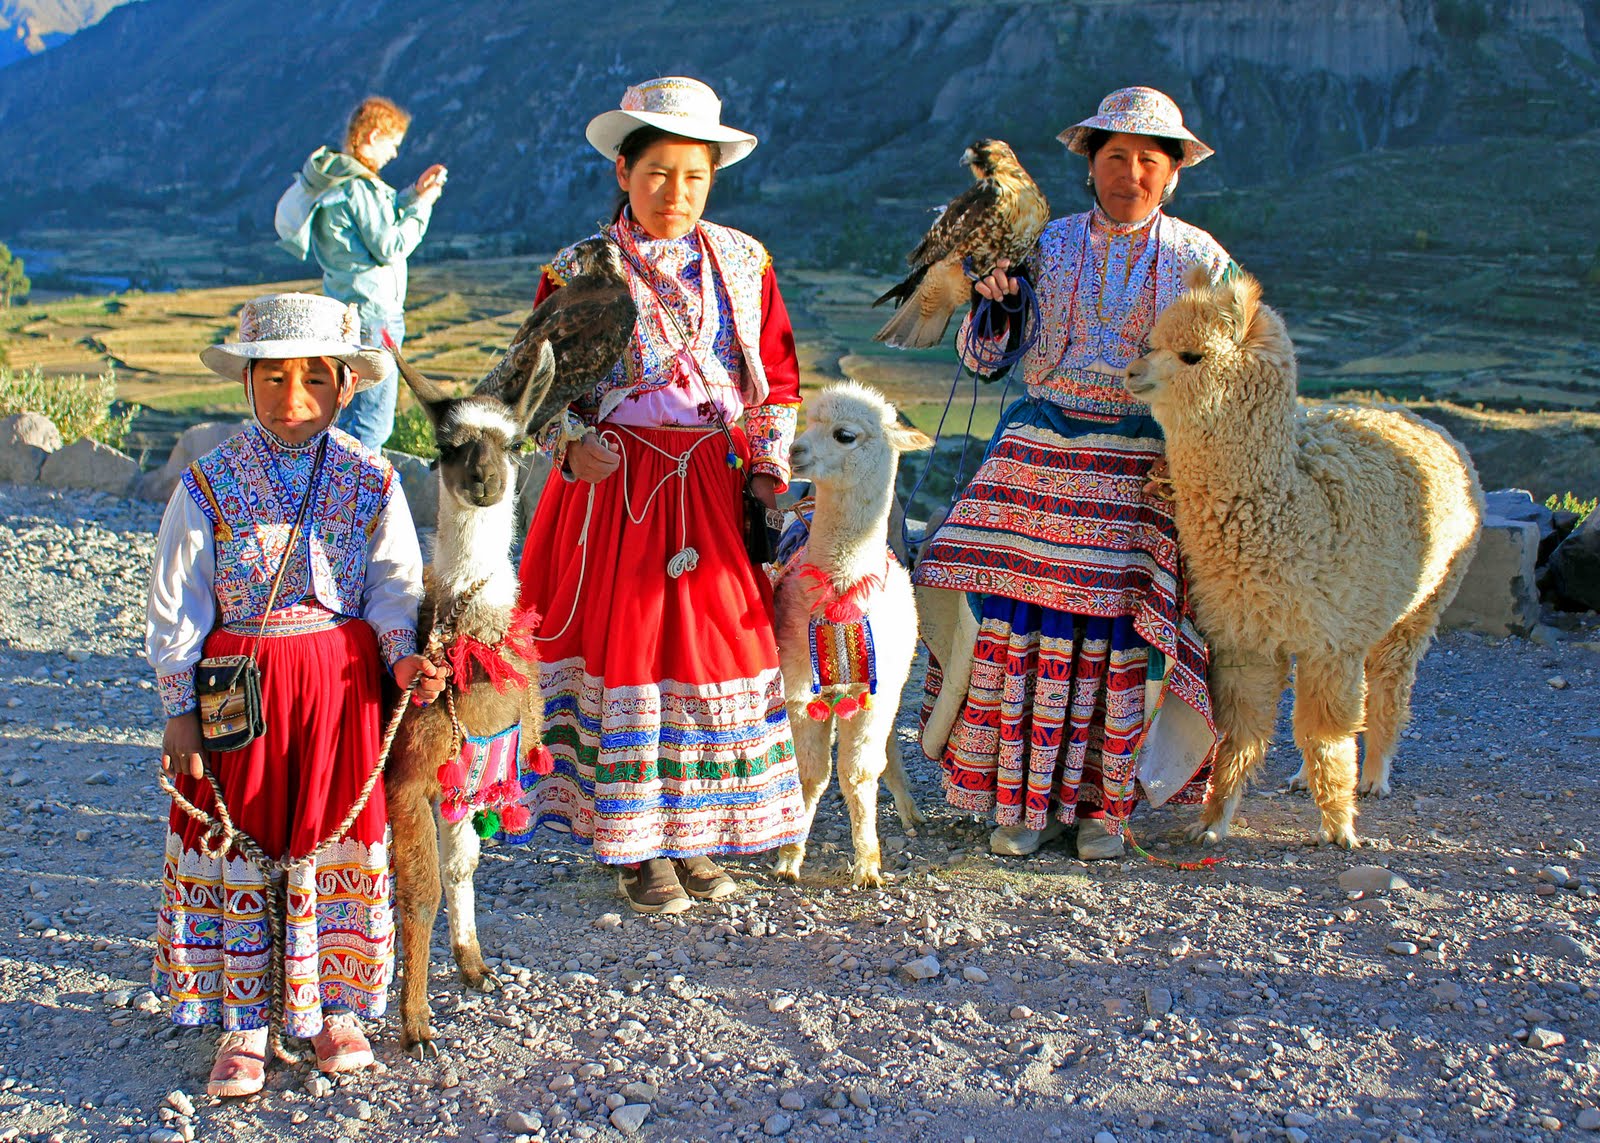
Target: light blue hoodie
360,230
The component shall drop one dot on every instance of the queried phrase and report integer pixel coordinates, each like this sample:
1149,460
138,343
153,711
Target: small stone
1104,1137
19,778
1402,948
629,1118
859,1098
1297,1118
1557,875
778,1124
1543,1039
639,1092
1157,1001
164,1135
792,1101
923,968
319,1086
1371,879
607,921
100,778
972,974
180,1102
1445,992
524,1122
1021,1012
1570,948
1296,1135
76,655
780,1003
1588,1119
1557,682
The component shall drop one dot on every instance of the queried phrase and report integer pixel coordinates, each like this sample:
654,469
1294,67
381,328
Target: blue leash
987,359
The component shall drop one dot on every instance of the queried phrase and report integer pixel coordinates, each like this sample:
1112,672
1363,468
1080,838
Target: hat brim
1075,138
607,130
229,359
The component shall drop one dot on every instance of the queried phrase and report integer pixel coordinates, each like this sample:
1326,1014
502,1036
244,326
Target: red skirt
321,694
664,704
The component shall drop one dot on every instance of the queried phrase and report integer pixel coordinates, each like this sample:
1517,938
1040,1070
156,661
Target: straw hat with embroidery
677,105
280,326
1137,111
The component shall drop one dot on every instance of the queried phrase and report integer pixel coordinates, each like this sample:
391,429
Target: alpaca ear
539,382
905,438
432,397
1196,277
1241,304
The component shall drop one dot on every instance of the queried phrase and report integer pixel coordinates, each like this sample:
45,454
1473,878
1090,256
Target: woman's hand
590,459
427,675
430,183
765,488
998,284
183,749
1158,481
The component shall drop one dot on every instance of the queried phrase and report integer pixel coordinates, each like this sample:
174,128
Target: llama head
1214,347
852,439
478,435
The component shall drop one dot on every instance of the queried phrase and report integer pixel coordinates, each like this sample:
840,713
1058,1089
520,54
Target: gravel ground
1263,999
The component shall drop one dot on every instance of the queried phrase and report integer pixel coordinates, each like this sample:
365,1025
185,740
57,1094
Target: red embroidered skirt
664,704
321,692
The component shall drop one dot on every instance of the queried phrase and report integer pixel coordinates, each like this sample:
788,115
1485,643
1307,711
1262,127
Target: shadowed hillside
28,27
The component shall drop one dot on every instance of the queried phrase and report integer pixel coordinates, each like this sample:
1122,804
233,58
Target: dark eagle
588,322
999,216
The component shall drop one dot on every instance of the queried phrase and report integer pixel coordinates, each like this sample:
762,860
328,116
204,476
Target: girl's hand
428,676
590,459
765,488
183,749
1158,482
998,284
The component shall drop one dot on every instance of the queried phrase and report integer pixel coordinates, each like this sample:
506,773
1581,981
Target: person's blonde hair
374,113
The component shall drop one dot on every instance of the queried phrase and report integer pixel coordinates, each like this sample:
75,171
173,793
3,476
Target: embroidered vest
238,485
1096,306
740,263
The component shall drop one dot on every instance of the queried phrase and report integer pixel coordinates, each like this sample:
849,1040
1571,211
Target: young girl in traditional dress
664,705
346,610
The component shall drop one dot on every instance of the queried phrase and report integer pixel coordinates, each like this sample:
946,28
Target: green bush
78,406
412,434
1567,502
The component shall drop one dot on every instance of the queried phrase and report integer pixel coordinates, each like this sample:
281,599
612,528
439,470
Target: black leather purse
228,687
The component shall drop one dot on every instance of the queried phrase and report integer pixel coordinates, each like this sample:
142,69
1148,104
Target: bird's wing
949,230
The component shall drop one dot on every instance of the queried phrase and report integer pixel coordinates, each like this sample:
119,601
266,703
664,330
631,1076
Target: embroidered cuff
770,429
396,645
969,335
559,432
177,693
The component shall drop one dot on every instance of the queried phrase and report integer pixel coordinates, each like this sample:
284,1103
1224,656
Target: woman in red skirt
664,705
345,610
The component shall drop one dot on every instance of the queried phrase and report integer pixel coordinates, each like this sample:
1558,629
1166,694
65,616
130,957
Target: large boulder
1574,574
1498,595
421,486
26,439
90,465
196,441
1519,504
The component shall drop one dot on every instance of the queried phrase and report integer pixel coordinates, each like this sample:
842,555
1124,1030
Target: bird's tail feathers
901,292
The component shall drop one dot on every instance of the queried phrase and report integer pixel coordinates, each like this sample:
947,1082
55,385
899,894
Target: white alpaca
849,452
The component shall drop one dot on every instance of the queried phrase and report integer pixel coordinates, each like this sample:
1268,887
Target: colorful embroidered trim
487,782
844,668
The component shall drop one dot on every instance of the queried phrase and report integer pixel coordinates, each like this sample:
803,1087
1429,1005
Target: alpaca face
851,434
476,437
1207,349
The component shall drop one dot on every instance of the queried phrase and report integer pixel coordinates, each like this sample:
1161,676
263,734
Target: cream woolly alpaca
849,452
1335,537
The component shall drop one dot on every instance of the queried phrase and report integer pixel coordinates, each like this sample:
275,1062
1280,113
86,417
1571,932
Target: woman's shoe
1019,840
341,1046
705,879
1096,842
652,887
241,1067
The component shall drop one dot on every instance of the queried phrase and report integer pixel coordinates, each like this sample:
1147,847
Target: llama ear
433,398
1241,303
906,438
539,382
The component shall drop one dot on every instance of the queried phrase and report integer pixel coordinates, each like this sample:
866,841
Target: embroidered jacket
742,342
1100,285
223,539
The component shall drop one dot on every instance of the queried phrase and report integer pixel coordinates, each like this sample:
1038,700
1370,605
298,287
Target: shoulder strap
294,538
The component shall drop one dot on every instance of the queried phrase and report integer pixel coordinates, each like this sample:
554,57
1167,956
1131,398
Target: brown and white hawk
999,216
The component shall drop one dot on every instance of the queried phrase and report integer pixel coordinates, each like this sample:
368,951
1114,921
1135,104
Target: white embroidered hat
1138,111
280,326
676,104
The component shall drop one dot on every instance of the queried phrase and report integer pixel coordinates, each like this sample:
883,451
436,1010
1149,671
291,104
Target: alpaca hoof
787,865
1297,782
1345,838
479,978
1207,833
423,1048
911,817
1376,787
865,876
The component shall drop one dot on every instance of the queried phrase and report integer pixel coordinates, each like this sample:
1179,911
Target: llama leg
957,662
1329,696
1244,700
414,855
863,754
1391,672
813,756
458,861
899,785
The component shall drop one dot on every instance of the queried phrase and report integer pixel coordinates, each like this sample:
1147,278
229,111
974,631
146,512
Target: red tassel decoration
539,760
452,776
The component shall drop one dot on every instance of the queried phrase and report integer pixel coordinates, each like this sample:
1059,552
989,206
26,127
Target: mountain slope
28,27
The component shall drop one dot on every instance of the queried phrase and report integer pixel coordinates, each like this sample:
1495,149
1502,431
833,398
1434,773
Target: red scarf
465,652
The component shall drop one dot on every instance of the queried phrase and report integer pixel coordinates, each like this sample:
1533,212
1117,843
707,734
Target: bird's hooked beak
968,159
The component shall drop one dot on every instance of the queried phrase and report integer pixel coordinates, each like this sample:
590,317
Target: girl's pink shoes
241,1067
341,1046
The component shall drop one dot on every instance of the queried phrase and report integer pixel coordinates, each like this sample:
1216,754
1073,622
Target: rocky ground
1266,998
